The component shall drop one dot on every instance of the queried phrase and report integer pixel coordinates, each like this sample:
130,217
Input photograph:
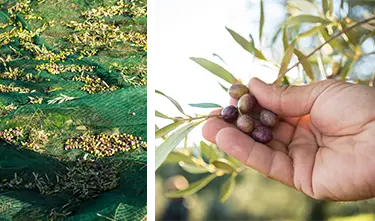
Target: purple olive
247,103
237,90
262,134
268,118
245,124
229,114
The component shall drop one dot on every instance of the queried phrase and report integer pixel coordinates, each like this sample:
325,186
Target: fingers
290,101
213,126
272,163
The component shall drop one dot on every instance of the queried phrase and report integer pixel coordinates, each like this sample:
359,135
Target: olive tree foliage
339,35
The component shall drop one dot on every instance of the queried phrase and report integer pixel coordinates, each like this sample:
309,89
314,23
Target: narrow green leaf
261,21
227,188
274,38
345,70
193,188
247,45
177,156
305,63
158,114
222,86
312,31
165,130
304,5
176,104
193,168
335,44
215,69
208,151
206,105
325,5
330,7
224,165
369,35
216,55
299,19
285,38
156,127
286,59
171,142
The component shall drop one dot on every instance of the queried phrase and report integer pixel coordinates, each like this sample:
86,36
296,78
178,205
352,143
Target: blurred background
197,28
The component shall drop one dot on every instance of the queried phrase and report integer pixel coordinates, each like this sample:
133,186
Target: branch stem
322,45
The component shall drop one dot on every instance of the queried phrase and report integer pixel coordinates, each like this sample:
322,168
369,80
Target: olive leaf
171,142
227,188
216,55
177,156
285,38
224,165
208,151
299,19
346,68
325,6
215,69
369,35
193,168
304,5
222,86
314,30
261,21
305,63
274,38
176,104
193,187
161,115
286,59
206,105
165,130
247,45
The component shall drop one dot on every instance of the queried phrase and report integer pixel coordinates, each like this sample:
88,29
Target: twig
322,45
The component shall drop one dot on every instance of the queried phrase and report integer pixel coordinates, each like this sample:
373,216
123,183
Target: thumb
288,101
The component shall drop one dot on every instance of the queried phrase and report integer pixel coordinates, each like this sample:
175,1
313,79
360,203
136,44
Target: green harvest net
75,84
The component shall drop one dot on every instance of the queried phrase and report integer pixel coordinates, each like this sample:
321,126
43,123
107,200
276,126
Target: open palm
324,145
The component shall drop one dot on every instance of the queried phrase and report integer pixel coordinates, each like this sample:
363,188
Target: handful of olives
258,129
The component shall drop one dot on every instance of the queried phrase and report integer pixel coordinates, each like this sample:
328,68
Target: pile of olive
256,125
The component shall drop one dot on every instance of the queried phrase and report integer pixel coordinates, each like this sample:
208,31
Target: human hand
324,145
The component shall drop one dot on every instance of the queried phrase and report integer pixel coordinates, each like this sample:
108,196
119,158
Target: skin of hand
324,145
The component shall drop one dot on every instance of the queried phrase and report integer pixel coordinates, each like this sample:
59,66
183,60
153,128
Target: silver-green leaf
286,59
206,105
215,69
227,188
305,63
299,19
247,45
193,168
174,102
171,142
208,151
261,20
165,130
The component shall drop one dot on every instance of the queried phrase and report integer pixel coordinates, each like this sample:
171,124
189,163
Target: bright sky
196,28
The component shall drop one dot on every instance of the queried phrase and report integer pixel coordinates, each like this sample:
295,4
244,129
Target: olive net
73,110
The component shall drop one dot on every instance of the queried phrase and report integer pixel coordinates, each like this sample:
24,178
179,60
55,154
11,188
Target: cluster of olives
12,88
54,68
258,126
29,138
105,145
94,84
